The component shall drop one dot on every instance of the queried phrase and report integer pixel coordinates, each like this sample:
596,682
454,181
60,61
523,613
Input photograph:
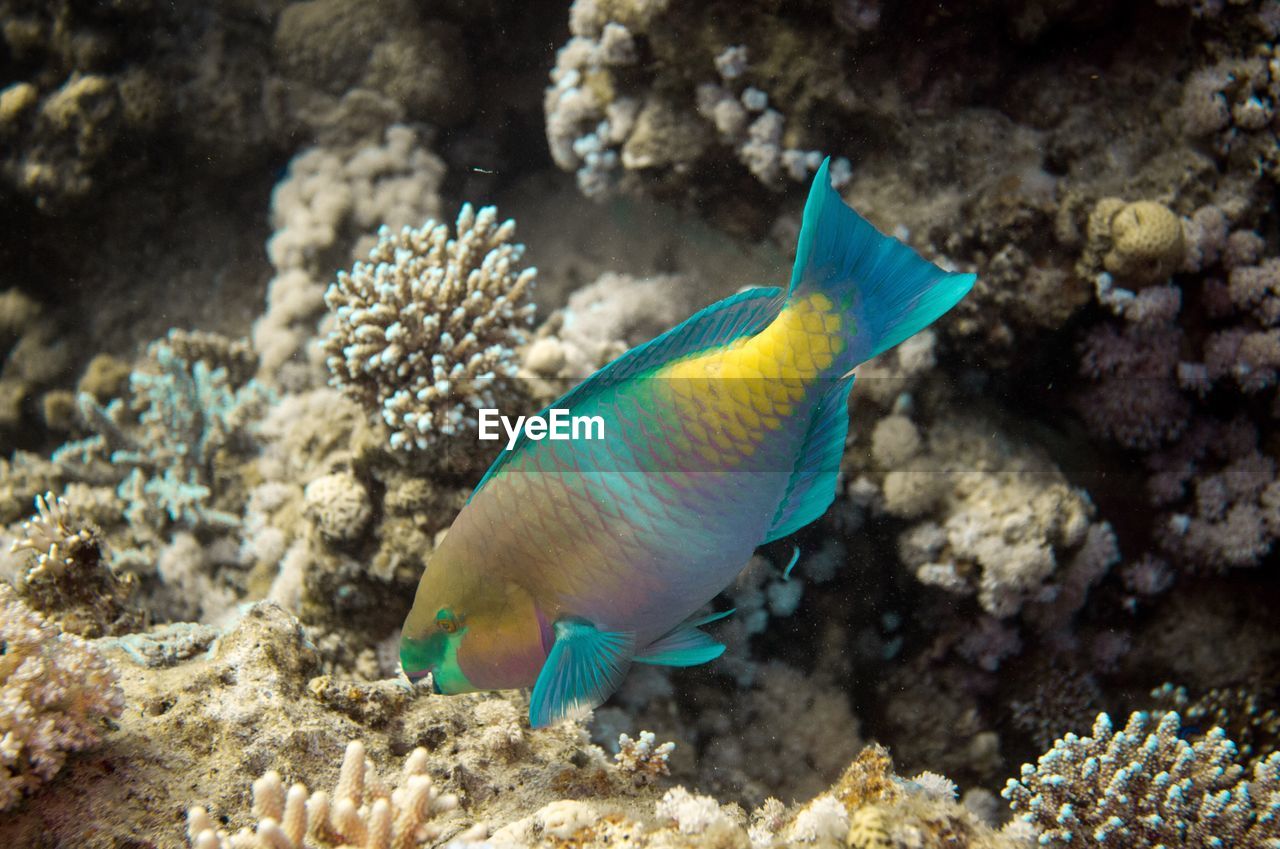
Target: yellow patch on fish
754,383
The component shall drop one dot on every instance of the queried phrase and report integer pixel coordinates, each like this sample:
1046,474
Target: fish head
471,634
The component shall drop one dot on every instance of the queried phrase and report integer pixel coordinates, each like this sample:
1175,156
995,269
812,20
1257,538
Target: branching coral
188,411
426,330
1145,786
1218,495
1246,713
55,692
1010,529
362,813
1135,399
644,758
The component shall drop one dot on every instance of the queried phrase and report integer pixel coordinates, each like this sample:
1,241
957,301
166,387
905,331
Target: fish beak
435,687
416,677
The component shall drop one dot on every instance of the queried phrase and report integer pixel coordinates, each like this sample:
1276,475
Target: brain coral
427,328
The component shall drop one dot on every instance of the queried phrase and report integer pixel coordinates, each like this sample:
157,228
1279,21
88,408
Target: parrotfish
572,560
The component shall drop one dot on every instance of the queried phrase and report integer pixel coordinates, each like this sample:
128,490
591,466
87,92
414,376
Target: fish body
574,559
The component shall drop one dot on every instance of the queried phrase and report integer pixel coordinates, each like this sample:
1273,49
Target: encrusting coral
426,329
55,692
1145,786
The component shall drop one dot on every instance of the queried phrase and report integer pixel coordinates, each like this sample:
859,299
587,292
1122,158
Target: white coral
52,536
361,814
691,814
644,758
329,199
428,326
55,690
825,818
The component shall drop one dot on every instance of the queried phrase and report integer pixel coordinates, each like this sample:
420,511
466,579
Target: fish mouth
416,677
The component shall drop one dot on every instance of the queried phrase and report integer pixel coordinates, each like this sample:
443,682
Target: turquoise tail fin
891,292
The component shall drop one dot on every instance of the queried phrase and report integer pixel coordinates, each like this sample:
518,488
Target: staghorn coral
187,413
1245,713
55,692
1144,786
426,329
361,812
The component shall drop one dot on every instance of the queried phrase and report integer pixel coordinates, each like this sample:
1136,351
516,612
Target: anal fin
583,669
684,645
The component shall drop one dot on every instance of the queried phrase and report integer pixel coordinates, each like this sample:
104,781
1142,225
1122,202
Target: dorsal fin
812,487
739,315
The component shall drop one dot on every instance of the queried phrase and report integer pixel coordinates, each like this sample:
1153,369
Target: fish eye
446,621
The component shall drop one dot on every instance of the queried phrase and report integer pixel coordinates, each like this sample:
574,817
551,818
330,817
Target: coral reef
425,330
68,578
336,61
190,403
360,811
621,105
1056,499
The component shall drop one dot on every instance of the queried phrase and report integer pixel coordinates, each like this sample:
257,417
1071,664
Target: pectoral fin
684,645
583,669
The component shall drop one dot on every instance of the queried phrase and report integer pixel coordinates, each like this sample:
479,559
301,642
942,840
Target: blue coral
187,411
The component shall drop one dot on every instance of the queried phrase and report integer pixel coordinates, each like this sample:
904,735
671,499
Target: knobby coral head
427,328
